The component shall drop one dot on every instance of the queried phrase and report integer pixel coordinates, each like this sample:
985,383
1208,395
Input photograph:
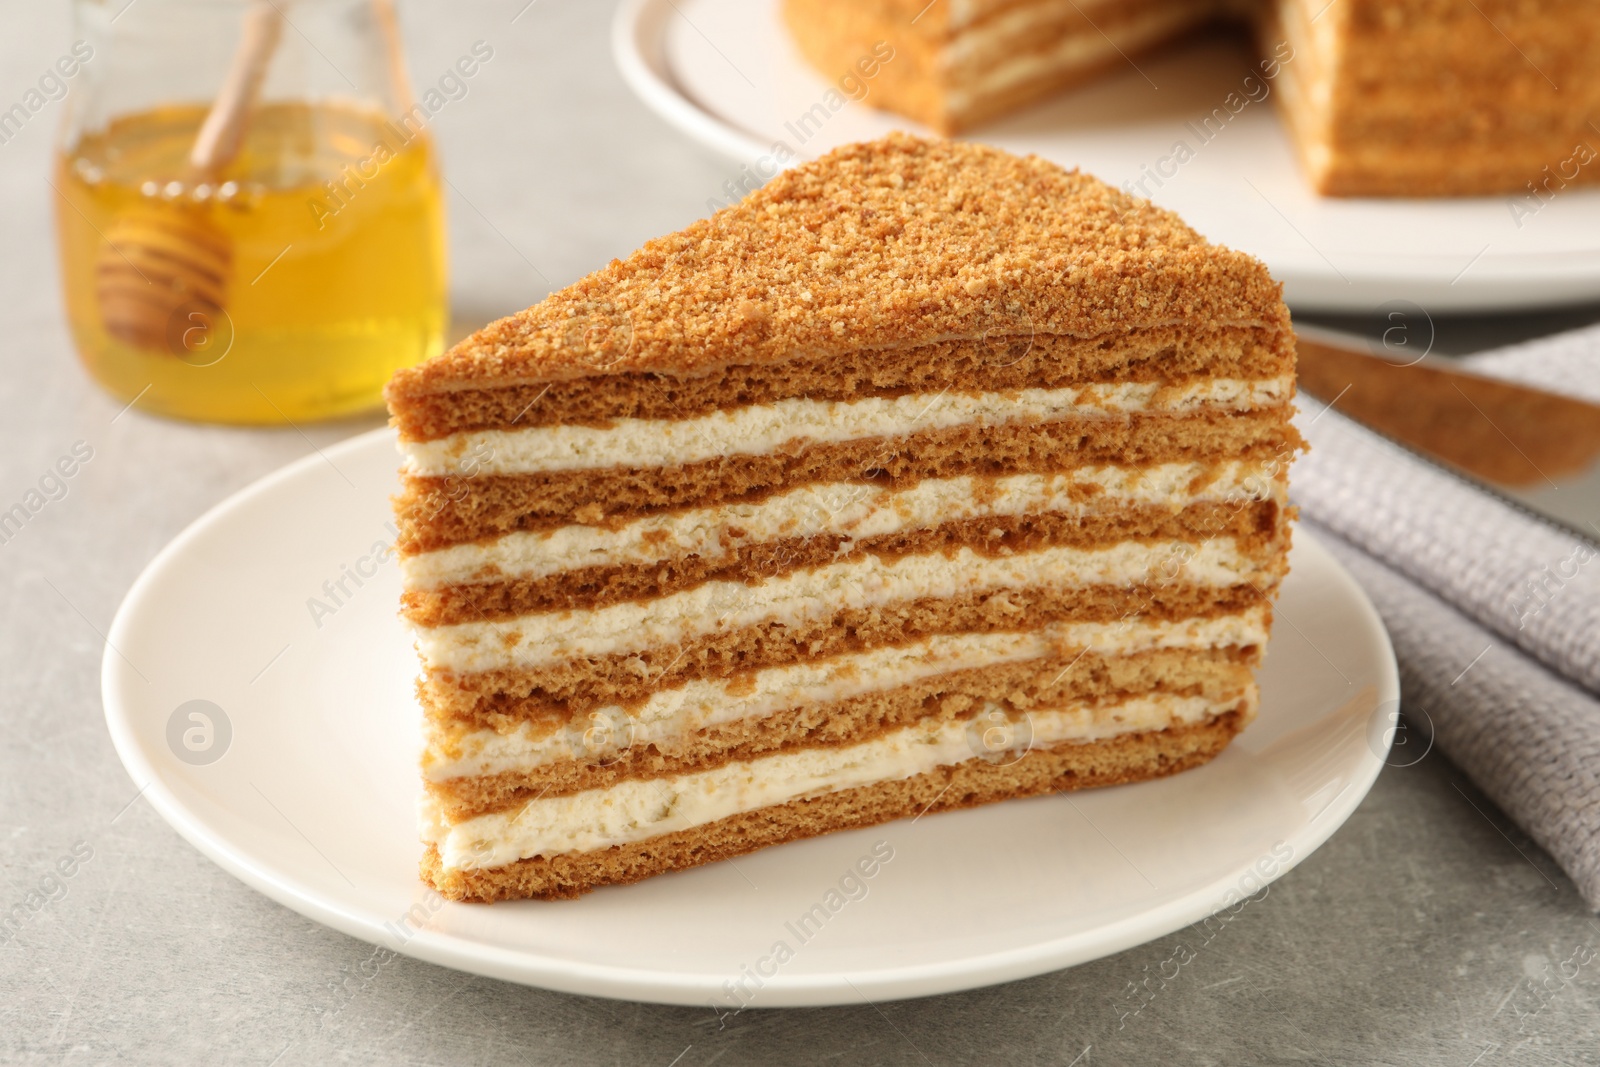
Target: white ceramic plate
724,72
306,791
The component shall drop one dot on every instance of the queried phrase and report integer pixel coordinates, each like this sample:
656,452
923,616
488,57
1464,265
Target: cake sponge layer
757,429
1012,358
606,752
500,699
1251,527
1128,758
436,512
854,509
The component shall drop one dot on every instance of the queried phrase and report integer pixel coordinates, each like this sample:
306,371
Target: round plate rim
1503,282
636,983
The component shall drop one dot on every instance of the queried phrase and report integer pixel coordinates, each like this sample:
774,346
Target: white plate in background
724,72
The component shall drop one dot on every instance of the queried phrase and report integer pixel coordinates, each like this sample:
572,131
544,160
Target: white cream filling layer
678,712
639,809
1073,51
1303,81
1008,31
814,595
761,428
964,13
857,509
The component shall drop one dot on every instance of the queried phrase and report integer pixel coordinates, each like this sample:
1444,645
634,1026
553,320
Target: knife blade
1537,449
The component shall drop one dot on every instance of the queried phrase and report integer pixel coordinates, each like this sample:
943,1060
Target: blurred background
1385,946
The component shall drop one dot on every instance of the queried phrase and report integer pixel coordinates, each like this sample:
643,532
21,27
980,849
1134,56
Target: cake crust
892,242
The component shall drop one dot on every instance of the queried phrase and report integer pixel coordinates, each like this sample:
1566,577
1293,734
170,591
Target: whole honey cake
1382,97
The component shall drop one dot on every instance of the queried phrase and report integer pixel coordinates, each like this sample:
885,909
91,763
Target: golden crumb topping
901,241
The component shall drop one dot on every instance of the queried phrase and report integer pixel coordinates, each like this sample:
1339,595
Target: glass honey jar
248,207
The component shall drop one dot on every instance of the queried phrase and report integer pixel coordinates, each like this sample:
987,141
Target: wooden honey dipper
164,255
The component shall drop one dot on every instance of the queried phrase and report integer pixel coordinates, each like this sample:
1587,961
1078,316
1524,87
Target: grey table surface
1429,930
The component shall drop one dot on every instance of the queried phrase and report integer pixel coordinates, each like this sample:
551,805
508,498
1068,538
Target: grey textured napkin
1529,738
1531,583
1566,363
1495,615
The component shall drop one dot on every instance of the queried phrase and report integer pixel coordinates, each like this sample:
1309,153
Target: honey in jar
315,251
337,261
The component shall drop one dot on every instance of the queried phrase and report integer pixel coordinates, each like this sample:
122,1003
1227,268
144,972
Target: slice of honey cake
925,476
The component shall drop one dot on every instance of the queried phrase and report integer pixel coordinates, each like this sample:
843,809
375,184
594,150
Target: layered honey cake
925,476
1382,97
